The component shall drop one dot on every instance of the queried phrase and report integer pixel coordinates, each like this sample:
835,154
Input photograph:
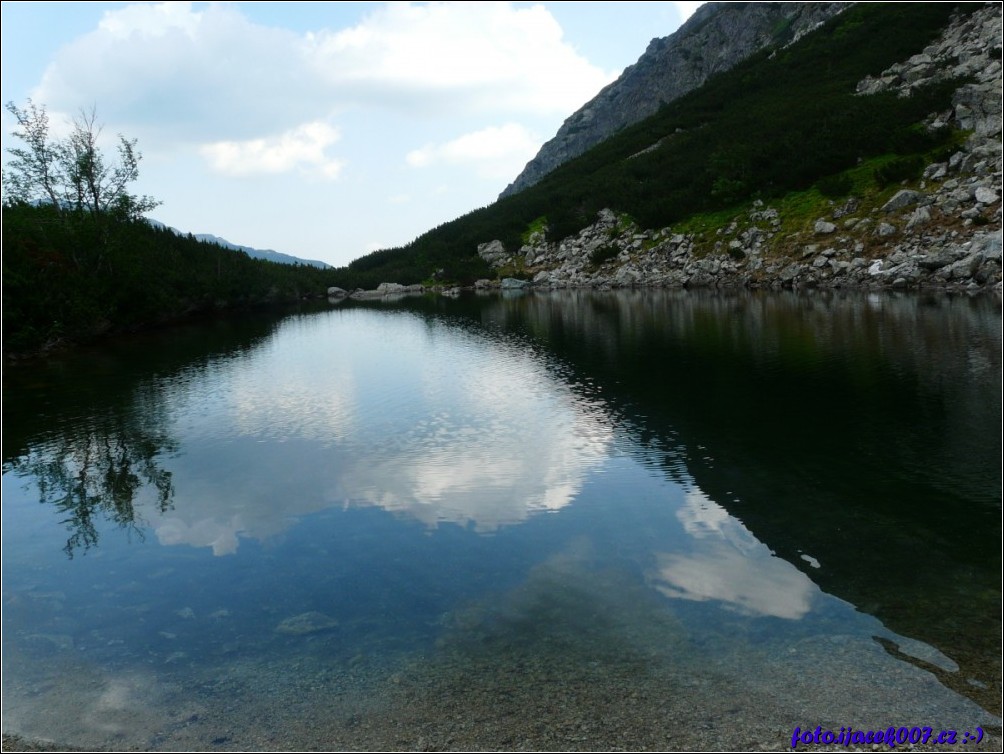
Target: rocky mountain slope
714,39
943,230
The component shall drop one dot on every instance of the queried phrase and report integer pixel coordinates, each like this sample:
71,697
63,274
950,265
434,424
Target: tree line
70,279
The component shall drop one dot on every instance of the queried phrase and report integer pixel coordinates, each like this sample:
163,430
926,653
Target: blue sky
323,130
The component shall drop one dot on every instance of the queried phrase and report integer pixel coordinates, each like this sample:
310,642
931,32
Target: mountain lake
560,520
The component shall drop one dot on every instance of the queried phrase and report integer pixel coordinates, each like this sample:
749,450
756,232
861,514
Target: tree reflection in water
106,468
99,474
90,430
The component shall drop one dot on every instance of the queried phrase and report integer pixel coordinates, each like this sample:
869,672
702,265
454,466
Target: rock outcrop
388,291
714,39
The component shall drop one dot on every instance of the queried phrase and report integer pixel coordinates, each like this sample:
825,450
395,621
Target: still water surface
566,520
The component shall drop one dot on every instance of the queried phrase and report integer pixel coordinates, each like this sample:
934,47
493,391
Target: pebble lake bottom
567,521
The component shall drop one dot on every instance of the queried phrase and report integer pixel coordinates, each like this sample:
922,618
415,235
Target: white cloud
212,74
151,20
485,56
213,88
183,74
302,148
496,151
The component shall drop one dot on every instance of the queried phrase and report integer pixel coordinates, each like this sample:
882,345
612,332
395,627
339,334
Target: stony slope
941,231
714,39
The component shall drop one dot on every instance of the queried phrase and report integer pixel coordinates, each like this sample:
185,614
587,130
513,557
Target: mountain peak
715,38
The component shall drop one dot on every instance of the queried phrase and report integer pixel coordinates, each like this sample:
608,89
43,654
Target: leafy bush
899,169
537,226
835,186
603,254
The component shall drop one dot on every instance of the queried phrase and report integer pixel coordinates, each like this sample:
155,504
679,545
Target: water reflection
674,484
730,565
90,433
754,582
107,469
421,420
861,432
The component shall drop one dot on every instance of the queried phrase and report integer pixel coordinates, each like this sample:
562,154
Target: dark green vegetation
782,121
70,276
79,260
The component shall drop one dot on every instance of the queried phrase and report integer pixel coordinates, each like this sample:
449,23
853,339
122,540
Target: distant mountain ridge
713,40
266,254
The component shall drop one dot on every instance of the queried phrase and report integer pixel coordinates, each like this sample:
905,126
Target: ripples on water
555,521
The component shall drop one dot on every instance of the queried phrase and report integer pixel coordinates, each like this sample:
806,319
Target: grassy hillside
783,121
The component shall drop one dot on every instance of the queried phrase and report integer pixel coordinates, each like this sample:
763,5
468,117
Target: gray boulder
509,284
986,195
494,253
901,199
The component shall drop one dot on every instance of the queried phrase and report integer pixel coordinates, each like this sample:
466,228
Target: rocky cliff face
714,39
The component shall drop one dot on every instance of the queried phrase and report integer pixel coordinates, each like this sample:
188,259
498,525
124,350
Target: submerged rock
306,623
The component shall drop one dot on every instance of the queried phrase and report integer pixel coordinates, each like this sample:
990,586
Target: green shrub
835,186
603,254
70,277
537,226
899,169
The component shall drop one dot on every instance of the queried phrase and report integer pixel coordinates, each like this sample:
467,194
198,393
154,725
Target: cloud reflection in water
364,409
730,565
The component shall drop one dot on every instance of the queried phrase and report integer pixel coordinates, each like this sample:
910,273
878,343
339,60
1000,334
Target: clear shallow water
577,520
